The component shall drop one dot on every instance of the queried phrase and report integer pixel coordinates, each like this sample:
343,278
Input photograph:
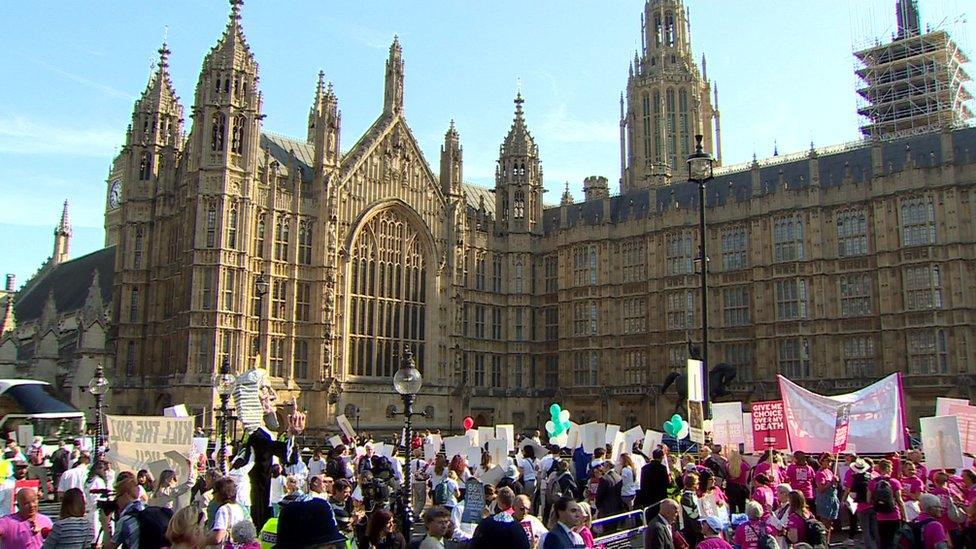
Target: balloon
468,423
673,425
564,416
676,418
554,410
566,425
683,432
550,428
559,440
707,426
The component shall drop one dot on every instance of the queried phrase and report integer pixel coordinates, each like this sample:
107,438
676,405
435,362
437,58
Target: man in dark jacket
608,500
500,530
655,481
660,534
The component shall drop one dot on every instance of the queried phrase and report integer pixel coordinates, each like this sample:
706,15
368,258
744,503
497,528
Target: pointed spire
567,197
452,132
233,37
64,226
393,95
62,237
8,320
704,69
775,148
519,140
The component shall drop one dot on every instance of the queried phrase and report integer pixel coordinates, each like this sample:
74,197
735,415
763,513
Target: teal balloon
676,418
674,425
554,411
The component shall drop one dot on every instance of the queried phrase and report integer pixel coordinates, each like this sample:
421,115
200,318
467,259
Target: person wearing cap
712,535
307,523
856,483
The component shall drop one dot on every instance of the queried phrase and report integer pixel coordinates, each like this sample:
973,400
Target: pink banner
966,415
877,422
842,429
769,426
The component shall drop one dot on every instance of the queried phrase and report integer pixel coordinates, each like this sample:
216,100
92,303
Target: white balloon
564,416
560,441
550,427
683,433
707,425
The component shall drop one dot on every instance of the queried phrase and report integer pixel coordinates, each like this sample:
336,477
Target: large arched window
388,296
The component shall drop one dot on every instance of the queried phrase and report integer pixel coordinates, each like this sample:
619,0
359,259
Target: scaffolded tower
913,84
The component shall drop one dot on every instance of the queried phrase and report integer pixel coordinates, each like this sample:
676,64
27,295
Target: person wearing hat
711,528
856,484
308,523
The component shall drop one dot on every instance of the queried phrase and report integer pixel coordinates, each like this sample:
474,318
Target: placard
594,435
506,433
498,450
25,435
485,434
474,436
155,443
430,451
573,436
474,456
696,376
696,421
493,475
941,443
966,415
335,440
727,423
176,411
346,427
769,425
842,428
456,446
632,436
611,434
748,444
651,441
474,501
617,446
540,452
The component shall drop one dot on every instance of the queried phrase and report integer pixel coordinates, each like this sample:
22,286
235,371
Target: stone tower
668,101
452,162
324,124
62,237
518,179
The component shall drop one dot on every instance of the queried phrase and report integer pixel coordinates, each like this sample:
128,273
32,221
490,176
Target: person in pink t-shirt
763,492
799,475
737,485
747,534
772,467
889,519
911,486
934,535
26,528
826,504
712,530
946,498
796,521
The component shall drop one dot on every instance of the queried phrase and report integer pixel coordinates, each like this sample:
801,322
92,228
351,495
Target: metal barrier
634,523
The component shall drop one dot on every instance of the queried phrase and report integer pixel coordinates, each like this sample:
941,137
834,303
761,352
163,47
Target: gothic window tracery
218,129
237,136
388,296
518,206
145,166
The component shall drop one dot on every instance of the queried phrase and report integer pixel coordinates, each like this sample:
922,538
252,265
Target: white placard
176,411
540,452
612,431
436,440
727,423
573,439
456,446
498,450
493,475
617,446
941,442
485,434
335,440
430,451
593,436
506,433
199,446
748,446
632,435
651,440
474,456
696,376
474,436
942,404
346,427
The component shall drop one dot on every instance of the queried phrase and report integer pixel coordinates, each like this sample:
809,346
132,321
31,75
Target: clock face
115,193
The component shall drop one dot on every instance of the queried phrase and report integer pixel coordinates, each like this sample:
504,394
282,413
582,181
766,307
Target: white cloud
560,125
107,90
22,135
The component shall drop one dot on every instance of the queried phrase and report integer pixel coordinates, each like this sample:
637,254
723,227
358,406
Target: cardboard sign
474,501
474,456
25,435
748,444
485,434
346,427
456,446
493,475
335,440
149,442
573,436
430,451
611,435
966,415
618,446
842,428
198,446
769,425
651,441
727,423
498,450
540,452
696,421
506,433
696,380
594,436
632,436
176,411
474,436
941,442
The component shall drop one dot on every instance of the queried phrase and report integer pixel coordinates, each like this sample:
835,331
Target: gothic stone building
833,267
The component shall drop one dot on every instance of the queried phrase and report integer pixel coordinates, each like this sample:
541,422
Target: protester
712,535
608,500
309,522
500,529
660,533
800,475
186,529
691,510
228,514
655,477
25,528
747,535
60,462
856,485
244,535
737,483
567,516
763,492
125,531
827,504
381,531
522,512
76,476
884,493
170,493
796,530
585,528
72,530
628,477
926,531
316,465
146,484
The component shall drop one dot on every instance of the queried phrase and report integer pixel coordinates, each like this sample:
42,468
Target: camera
106,501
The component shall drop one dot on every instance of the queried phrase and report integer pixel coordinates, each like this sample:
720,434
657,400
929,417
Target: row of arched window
218,131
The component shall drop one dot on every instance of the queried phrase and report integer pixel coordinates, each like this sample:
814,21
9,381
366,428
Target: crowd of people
539,497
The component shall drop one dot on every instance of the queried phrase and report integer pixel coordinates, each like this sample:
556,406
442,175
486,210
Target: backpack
554,489
442,492
335,469
909,536
859,487
763,539
153,522
883,497
816,532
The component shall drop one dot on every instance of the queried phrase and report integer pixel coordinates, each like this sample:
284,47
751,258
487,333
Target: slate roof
736,183
70,281
289,153
473,195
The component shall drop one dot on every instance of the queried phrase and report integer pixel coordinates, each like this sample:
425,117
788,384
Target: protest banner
611,433
632,436
842,429
727,423
498,450
154,443
430,451
696,380
474,501
941,442
485,434
769,426
456,446
506,433
696,421
594,435
748,443
346,427
877,417
651,441
966,415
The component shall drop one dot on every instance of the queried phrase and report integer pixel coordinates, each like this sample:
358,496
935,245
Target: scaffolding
913,84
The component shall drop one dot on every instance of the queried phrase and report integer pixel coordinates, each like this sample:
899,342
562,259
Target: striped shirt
70,533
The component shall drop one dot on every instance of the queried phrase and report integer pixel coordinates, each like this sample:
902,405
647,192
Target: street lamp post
700,166
358,415
407,382
98,386
224,384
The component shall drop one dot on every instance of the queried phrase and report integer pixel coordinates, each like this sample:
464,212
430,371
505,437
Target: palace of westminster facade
832,267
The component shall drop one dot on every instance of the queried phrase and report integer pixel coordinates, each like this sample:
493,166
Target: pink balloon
468,423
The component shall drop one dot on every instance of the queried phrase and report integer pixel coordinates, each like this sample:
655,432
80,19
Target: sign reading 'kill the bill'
149,442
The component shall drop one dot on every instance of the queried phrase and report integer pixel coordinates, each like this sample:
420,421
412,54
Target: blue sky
72,70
